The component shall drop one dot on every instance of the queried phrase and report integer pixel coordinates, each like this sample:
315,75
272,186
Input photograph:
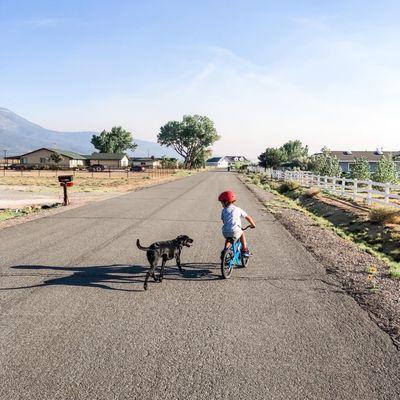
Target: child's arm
251,221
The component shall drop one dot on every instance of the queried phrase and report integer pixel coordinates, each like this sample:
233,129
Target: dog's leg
178,262
150,272
146,280
160,278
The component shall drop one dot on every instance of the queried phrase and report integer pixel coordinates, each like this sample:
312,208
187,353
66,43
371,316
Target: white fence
369,191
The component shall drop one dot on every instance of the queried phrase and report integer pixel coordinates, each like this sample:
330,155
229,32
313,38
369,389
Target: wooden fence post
369,193
355,187
387,193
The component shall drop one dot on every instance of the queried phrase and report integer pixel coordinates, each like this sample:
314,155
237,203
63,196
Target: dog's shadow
193,271
109,277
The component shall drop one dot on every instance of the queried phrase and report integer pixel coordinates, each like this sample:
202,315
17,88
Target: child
232,220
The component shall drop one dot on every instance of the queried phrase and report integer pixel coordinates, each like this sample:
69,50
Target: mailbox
65,178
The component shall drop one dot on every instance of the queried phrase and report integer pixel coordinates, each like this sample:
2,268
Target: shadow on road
104,276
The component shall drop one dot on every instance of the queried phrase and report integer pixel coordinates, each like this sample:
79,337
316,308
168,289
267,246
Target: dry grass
312,192
385,215
88,183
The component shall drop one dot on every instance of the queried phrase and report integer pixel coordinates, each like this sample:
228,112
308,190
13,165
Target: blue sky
325,72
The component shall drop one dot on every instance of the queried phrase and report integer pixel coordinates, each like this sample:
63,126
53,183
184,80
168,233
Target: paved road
76,324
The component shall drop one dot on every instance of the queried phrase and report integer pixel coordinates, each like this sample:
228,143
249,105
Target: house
348,158
226,161
107,160
217,162
146,162
232,160
10,160
43,157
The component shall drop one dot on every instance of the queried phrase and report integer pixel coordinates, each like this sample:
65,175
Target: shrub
289,186
256,179
312,192
385,215
264,179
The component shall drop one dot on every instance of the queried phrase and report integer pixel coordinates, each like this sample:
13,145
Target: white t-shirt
232,218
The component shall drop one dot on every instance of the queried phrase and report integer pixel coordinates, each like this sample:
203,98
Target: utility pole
5,157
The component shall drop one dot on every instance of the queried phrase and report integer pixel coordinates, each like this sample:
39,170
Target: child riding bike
232,221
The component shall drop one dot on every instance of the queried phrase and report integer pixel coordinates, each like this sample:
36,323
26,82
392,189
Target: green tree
272,157
325,164
360,169
200,161
386,170
57,158
190,137
118,140
295,150
169,162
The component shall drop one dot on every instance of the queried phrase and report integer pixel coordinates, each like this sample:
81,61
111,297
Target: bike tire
226,268
244,261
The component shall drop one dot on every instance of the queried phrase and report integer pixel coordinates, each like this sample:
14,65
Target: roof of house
215,159
65,153
105,156
144,159
233,158
372,156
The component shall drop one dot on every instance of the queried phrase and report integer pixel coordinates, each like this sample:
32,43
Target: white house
217,162
226,161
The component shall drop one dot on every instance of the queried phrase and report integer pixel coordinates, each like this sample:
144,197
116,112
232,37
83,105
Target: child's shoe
246,253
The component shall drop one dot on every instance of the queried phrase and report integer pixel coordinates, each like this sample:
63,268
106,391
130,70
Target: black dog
166,251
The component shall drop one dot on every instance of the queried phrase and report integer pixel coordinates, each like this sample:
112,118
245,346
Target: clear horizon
326,74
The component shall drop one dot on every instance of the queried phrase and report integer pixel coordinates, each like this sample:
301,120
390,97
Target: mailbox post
66,181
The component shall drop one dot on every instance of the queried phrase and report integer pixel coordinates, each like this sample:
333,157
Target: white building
217,162
226,161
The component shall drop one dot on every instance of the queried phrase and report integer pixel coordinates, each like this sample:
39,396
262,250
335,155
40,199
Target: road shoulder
361,275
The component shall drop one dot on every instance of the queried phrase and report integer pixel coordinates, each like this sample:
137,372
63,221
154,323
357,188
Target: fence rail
368,191
106,174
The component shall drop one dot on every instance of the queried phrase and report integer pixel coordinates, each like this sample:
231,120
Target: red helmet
227,197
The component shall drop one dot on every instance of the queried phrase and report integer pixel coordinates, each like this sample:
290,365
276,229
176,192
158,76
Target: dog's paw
145,286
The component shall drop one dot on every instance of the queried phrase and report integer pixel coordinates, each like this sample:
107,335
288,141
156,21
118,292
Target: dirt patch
363,276
79,199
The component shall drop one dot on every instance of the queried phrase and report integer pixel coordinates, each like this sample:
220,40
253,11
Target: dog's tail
140,247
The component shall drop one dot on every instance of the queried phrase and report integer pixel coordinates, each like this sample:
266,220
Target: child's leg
243,241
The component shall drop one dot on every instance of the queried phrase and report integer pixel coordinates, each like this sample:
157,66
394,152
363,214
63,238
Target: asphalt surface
75,322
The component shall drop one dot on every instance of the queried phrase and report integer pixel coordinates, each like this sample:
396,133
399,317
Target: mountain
19,136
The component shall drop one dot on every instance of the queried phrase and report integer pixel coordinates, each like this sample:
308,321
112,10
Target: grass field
40,181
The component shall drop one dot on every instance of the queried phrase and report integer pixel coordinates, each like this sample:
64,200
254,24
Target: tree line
294,155
191,138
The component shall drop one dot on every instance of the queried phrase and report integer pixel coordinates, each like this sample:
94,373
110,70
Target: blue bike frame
237,252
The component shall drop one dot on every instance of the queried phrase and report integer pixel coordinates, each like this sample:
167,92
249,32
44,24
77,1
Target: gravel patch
375,292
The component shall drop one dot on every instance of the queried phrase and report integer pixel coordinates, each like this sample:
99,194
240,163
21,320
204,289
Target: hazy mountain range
18,136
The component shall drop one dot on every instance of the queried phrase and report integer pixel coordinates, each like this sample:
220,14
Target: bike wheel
244,261
227,263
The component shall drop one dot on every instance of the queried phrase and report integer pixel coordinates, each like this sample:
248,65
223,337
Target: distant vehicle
138,168
16,167
96,168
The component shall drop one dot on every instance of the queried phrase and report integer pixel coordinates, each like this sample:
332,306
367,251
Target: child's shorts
235,234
